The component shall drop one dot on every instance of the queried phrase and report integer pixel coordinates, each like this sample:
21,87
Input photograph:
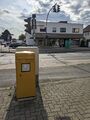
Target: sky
13,13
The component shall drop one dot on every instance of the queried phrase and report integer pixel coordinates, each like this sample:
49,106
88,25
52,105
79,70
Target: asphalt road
65,72
54,66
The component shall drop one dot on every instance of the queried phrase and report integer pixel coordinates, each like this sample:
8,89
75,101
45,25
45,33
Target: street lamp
56,9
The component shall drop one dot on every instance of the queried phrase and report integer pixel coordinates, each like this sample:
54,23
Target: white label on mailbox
25,67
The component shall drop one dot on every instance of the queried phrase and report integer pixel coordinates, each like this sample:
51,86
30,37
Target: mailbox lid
25,55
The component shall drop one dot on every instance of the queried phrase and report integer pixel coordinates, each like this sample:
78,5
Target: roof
62,22
87,29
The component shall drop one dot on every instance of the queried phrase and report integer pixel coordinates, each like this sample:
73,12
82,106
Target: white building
86,33
58,33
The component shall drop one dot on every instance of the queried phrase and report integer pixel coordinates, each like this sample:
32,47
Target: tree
6,35
22,37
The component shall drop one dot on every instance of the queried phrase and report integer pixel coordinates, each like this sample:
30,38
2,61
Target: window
87,33
43,29
62,29
54,29
75,30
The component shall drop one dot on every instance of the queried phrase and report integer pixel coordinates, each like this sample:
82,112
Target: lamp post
55,8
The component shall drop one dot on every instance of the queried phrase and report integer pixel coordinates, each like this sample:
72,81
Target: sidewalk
62,49
5,99
57,100
49,49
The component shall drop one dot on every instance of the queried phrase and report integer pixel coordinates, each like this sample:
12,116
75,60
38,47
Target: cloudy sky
13,12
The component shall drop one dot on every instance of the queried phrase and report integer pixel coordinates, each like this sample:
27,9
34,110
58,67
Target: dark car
14,45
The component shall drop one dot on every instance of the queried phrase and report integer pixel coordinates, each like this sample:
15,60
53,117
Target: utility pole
34,26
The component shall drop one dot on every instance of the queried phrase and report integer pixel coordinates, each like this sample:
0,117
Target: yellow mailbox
25,74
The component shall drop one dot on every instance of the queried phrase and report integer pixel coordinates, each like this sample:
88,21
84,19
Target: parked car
14,45
5,44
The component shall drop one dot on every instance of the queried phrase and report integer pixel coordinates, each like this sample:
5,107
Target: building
86,32
58,33
29,39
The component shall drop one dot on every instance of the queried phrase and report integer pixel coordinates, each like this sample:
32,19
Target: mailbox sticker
25,67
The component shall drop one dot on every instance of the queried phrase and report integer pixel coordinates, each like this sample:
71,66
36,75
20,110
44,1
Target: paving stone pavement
5,98
55,100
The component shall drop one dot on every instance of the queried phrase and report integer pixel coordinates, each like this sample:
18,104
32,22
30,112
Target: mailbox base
26,99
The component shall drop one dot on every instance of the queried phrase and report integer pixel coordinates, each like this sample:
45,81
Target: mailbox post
36,51
25,74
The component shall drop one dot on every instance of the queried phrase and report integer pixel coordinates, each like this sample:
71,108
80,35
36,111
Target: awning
58,36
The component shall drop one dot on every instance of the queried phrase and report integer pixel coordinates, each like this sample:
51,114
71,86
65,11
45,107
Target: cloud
77,10
44,4
10,20
13,12
5,11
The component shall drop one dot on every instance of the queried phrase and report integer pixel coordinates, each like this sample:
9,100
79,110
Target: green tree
22,37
